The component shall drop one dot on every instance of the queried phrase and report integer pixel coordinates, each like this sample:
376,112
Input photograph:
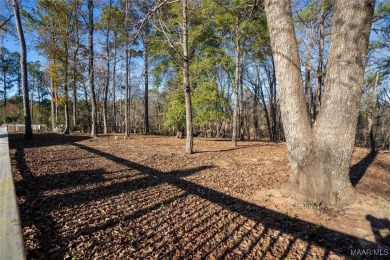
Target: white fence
20,128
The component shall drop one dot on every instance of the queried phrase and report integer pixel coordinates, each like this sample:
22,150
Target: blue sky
11,42
12,45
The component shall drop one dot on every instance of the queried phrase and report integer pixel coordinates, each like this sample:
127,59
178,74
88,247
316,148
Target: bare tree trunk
265,108
241,109
271,114
66,95
113,116
4,90
66,83
74,107
91,69
127,130
74,112
308,79
186,82
256,102
39,105
87,104
157,110
105,97
370,118
23,65
320,156
321,49
105,91
274,105
52,104
56,106
236,85
146,91
19,81
120,108
32,101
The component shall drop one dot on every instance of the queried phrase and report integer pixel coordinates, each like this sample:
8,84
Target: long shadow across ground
118,208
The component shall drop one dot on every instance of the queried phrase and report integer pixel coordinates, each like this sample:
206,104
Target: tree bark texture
308,90
28,134
146,90
107,83
113,113
32,101
66,83
4,90
91,69
105,100
74,112
236,85
320,155
127,101
370,118
75,53
186,82
52,104
321,48
74,107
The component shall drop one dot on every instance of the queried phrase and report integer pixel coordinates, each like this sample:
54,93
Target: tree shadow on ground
381,229
357,171
44,140
225,150
239,147
229,140
142,212
74,189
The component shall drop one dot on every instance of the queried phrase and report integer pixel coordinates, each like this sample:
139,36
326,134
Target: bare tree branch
4,23
162,28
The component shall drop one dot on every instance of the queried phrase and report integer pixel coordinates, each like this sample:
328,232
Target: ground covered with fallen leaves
143,198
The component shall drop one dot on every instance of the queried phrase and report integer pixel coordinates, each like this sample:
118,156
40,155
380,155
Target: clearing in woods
143,197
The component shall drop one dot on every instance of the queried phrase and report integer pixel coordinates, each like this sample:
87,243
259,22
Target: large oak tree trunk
28,134
320,155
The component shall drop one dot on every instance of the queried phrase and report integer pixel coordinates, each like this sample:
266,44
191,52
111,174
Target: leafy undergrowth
110,198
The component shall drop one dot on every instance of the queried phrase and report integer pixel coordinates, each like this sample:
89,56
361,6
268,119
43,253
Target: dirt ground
111,198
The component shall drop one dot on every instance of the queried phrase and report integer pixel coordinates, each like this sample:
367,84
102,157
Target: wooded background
123,61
